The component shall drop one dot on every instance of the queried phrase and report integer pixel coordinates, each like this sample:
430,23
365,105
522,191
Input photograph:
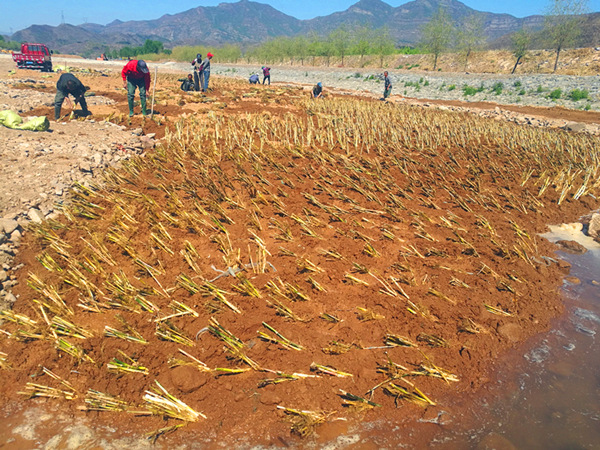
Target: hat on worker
209,55
142,66
319,84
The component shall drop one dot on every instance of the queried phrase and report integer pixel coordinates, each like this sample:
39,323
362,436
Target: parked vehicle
33,56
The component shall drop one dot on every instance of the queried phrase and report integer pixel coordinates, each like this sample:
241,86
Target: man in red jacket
136,75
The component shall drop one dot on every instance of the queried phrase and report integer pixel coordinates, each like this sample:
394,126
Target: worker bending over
136,75
69,84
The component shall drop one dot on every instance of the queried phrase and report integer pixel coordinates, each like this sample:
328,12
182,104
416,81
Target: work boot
130,103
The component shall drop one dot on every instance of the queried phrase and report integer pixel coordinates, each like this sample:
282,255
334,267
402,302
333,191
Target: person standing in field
136,76
198,74
317,91
69,84
387,86
206,70
266,74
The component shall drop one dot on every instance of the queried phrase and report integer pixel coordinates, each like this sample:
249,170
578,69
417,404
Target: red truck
33,56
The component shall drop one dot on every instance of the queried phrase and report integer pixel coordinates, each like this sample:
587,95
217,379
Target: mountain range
247,22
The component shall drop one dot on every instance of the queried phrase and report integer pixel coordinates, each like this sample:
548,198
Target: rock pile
39,169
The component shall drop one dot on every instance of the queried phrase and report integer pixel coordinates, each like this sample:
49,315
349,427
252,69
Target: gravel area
519,89
530,90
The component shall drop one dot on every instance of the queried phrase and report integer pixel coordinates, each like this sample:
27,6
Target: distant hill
247,22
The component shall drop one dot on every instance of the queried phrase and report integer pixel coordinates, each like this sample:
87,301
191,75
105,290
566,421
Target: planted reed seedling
328,370
161,403
192,361
74,350
167,331
125,364
497,311
130,334
100,401
281,340
338,348
66,328
330,318
305,422
413,395
233,345
432,340
154,435
366,315
435,372
397,341
356,403
4,363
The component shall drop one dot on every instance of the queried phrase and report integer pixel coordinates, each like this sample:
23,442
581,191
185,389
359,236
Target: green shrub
517,84
451,87
522,92
555,94
497,88
469,90
587,107
540,89
578,94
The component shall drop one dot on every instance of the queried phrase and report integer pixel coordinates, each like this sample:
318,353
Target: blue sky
15,15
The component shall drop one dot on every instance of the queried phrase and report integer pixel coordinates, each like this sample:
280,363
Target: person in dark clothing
69,84
387,86
317,91
266,74
136,75
253,79
187,83
198,73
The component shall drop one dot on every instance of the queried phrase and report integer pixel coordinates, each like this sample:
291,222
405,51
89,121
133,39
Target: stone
511,331
564,266
35,215
3,276
85,166
594,226
572,247
10,298
495,441
8,225
269,398
98,159
188,379
576,127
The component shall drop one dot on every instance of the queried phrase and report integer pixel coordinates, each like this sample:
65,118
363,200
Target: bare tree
563,23
471,36
520,42
437,34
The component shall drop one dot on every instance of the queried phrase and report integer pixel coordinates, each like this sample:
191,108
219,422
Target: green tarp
11,119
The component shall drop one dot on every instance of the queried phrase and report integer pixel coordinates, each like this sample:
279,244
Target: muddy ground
238,411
